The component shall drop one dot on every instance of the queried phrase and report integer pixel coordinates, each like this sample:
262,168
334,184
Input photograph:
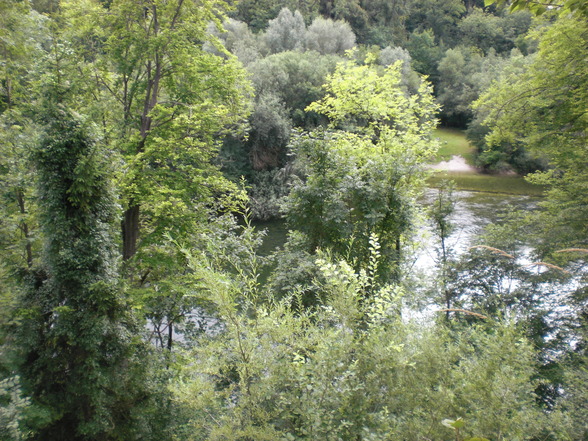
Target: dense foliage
139,141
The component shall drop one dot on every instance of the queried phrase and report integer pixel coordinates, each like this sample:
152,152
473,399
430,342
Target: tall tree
75,349
366,171
168,98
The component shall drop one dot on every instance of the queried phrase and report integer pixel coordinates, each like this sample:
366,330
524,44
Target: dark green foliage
285,84
465,74
486,31
343,199
543,108
323,351
270,133
425,53
279,372
258,13
504,156
437,15
268,191
75,339
500,282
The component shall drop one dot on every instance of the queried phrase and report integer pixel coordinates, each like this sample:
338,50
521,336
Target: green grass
453,142
488,183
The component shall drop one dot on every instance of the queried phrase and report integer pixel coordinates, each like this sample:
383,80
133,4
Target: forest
144,144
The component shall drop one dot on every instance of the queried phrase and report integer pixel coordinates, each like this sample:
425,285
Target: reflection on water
275,237
473,211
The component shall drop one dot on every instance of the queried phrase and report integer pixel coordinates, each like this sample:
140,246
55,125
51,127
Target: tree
75,341
387,21
507,154
349,369
238,39
286,32
169,100
579,7
410,79
439,16
425,53
296,78
363,101
440,212
270,133
22,34
485,31
258,14
350,11
363,174
329,37
544,109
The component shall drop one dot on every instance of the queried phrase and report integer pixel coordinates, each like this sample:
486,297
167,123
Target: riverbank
479,182
454,162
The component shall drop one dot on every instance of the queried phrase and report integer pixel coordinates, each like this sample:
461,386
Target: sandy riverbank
457,163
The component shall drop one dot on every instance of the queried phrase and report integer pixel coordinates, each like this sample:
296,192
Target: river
473,211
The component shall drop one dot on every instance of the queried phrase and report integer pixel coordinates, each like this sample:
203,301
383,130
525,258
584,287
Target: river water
473,211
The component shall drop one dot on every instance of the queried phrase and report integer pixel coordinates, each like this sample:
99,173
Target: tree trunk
130,223
130,231
24,227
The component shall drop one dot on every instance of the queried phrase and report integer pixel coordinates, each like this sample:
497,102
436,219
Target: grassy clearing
453,142
488,183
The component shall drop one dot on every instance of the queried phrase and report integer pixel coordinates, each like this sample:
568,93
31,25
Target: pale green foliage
22,32
365,178
329,37
285,32
22,35
169,98
238,39
573,405
164,103
390,55
285,83
295,77
18,222
564,7
363,100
